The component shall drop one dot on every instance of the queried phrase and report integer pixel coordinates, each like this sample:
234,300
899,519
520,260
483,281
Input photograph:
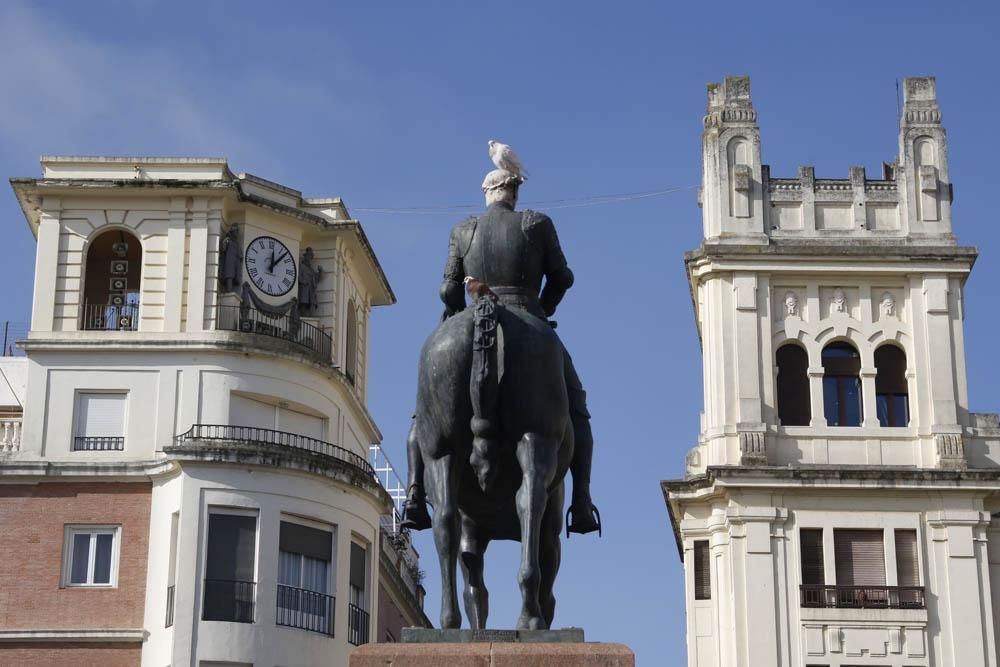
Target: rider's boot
582,516
415,515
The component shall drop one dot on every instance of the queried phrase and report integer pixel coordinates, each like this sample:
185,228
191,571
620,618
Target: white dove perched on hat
505,158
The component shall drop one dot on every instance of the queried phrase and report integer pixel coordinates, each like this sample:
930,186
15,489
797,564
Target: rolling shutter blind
907,572
245,411
312,542
301,424
351,349
811,544
232,543
702,571
358,566
101,415
860,556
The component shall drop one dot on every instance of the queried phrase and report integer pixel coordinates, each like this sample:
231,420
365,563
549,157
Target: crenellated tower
838,506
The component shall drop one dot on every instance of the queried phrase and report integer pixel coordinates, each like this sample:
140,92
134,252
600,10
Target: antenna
899,114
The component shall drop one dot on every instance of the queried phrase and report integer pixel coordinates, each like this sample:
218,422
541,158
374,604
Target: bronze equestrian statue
501,414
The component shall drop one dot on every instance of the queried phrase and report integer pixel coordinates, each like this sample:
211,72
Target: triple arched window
843,403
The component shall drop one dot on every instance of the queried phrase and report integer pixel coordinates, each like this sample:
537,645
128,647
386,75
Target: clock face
270,266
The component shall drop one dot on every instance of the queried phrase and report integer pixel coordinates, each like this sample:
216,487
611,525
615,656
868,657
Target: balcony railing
170,607
863,597
286,327
357,625
254,435
10,432
105,317
229,600
305,609
89,443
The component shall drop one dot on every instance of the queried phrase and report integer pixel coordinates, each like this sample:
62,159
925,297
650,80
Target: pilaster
46,265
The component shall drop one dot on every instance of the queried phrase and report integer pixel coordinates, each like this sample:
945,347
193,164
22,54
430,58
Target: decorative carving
753,451
791,304
839,303
230,258
309,277
888,305
951,450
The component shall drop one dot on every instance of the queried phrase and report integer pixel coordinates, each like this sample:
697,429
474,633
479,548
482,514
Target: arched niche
112,277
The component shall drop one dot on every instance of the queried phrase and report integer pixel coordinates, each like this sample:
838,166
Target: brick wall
32,520
389,618
60,654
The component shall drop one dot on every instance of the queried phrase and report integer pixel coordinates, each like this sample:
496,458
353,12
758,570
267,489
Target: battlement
742,202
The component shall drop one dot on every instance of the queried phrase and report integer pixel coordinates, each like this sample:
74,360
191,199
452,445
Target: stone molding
74,635
951,451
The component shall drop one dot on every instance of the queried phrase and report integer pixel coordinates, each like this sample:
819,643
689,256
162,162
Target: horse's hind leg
443,480
473,550
537,457
551,552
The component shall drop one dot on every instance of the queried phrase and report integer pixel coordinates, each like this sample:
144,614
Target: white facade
232,401
837,279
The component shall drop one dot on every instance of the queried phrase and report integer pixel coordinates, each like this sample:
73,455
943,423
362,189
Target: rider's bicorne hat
501,178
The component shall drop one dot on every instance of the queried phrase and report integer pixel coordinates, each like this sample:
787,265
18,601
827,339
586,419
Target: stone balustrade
10,433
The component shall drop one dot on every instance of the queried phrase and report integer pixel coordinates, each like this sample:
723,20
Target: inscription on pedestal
434,636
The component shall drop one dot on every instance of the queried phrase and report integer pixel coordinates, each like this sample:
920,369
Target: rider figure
511,251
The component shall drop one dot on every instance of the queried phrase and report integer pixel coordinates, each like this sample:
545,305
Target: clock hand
283,255
270,267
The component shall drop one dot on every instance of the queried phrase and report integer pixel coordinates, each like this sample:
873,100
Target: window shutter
811,545
357,573
300,423
232,545
907,572
312,542
245,411
860,556
101,415
351,350
702,571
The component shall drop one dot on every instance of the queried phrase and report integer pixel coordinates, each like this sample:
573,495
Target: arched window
793,385
841,385
111,287
351,346
892,399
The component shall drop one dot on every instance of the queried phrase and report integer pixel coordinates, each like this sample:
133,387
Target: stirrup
595,516
415,516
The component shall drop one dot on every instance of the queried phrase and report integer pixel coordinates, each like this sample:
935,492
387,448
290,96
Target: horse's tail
484,388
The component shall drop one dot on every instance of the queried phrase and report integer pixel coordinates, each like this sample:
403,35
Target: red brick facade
32,522
58,654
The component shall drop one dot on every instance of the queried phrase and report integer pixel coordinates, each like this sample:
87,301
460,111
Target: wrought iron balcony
88,443
285,327
106,317
357,625
229,600
863,597
305,609
252,435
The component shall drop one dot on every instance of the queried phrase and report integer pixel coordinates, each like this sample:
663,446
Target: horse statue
493,434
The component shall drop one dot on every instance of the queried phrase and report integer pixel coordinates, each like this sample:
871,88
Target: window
702,571
172,569
357,609
111,286
811,545
90,556
100,421
351,349
246,411
841,385
793,385
304,557
860,556
908,570
229,568
892,401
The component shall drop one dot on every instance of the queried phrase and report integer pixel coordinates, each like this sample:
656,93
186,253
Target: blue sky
390,106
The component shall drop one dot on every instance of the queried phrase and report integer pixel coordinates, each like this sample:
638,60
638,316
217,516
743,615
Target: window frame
835,371
78,413
900,387
70,531
702,555
783,383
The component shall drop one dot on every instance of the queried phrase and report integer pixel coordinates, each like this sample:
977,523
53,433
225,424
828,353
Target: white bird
504,157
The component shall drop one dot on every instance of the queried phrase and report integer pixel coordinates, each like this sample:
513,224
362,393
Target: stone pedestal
493,654
493,648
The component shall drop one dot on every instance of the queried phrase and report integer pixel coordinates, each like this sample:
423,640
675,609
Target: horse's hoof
528,622
415,516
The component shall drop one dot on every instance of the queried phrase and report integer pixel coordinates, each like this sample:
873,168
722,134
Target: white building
839,506
184,470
